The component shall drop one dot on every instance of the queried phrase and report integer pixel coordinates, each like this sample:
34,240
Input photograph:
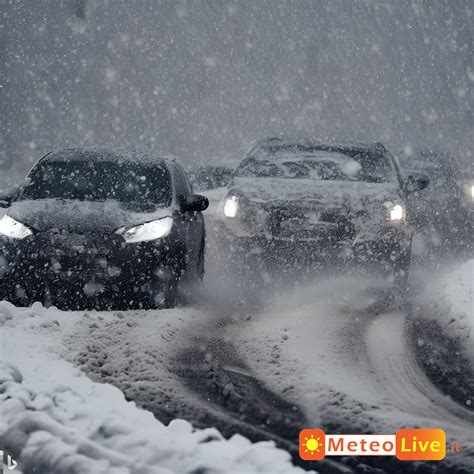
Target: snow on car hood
351,194
80,216
364,204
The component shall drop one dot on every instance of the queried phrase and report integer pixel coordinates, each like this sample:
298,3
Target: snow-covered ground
450,302
340,350
56,420
344,355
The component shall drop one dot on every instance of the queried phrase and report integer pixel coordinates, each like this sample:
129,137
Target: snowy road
339,353
341,360
390,353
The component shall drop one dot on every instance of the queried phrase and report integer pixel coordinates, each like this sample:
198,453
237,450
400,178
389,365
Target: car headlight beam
149,231
13,229
397,213
231,206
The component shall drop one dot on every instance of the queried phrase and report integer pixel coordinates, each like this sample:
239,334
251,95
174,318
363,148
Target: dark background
201,79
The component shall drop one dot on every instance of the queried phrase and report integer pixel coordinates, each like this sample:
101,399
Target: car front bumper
59,260
386,244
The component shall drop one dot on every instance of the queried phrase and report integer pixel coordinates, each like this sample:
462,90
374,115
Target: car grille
80,253
308,224
80,263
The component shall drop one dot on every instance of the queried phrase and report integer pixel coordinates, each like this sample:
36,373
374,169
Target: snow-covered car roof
105,155
336,158
315,144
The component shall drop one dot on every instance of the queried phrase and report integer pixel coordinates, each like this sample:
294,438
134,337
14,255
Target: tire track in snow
345,362
421,404
388,348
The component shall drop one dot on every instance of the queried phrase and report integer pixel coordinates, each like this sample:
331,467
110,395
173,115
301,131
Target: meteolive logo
407,445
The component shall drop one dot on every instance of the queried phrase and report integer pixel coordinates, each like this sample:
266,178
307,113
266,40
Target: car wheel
190,280
198,271
161,295
170,295
200,267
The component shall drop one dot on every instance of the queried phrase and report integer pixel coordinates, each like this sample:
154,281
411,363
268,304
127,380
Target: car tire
162,295
201,269
189,282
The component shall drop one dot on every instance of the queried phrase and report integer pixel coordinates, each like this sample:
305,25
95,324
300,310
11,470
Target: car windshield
125,182
317,165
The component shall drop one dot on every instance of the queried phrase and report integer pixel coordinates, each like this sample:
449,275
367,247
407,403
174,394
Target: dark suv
309,201
101,226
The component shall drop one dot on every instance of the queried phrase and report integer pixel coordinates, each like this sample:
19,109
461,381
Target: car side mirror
417,183
195,203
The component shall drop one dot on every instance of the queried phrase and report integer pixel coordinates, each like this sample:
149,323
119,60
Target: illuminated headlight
397,213
11,228
231,206
149,231
468,190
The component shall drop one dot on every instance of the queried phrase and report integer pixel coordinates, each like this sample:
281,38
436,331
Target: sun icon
312,444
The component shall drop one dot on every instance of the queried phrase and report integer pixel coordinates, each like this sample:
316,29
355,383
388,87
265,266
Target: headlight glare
397,213
231,206
149,231
13,229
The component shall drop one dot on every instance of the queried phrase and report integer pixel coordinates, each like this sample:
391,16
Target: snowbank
452,306
56,420
459,289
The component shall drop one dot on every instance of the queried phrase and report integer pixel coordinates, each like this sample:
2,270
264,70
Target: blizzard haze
203,79
143,332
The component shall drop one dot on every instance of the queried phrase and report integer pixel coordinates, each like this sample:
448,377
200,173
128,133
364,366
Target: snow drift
56,420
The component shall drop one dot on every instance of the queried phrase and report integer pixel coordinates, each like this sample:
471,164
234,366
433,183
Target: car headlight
468,190
231,206
15,230
397,213
149,231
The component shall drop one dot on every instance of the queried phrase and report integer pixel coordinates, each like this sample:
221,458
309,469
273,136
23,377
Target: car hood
350,195
80,216
364,205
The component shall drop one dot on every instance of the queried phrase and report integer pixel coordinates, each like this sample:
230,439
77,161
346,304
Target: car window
317,165
181,182
187,183
99,181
